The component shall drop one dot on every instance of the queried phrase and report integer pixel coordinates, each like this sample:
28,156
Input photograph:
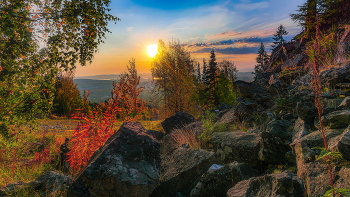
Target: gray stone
280,184
300,129
342,144
177,121
272,149
336,119
281,129
181,170
345,104
127,165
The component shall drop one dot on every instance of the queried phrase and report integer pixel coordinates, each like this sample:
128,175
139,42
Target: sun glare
152,50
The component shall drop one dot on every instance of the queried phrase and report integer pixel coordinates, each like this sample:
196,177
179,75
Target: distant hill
100,86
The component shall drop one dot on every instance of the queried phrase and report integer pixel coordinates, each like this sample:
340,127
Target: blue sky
234,28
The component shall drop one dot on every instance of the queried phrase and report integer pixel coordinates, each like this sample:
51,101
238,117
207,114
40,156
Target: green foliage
209,129
324,153
284,104
289,74
225,91
262,59
339,192
278,36
67,96
212,79
71,29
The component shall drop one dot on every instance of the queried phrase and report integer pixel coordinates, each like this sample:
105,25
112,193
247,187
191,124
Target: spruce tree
198,72
278,36
204,73
262,59
212,77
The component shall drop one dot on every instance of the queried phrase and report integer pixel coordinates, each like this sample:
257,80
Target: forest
43,115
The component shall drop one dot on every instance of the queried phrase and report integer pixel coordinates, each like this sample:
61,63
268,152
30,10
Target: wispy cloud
251,6
130,28
230,50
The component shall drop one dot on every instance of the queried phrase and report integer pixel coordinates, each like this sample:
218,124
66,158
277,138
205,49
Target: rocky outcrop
127,165
341,144
280,184
177,121
218,182
281,129
336,119
181,170
253,91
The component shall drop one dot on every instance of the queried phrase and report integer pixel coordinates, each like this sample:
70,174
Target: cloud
130,28
230,50
251,6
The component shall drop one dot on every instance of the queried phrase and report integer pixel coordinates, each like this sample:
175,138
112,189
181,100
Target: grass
18,164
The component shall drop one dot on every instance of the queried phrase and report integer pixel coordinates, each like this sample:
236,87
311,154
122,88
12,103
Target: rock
300,129
272,149
228,118
177,121
156,134
224,107
281,129
336,119
236,146
343,47
280,184
253,91
181,170
219,181
341,144
50,183
298,60
127,165
307,112
336,75
263,78
345,104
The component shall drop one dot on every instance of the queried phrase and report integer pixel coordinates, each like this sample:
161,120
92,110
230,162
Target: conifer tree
262,59
199,77
278,36
212,77
204,73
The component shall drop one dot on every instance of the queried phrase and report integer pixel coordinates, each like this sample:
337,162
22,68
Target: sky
234,28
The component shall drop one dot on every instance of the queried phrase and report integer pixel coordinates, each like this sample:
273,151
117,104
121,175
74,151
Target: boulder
51,183
272,149
281,129
298,60
236,146
300,129
127,165
253,91
156,134
181,170
218,182
307,112
263,78
341,144
336,119
177,121
280,184
345,104
336,75
343,47
228,118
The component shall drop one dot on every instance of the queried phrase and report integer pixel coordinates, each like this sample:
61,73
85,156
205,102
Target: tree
126,94
67,96
278,36
262,59
71,30
228,69
172,72
204,73
199,77
212,77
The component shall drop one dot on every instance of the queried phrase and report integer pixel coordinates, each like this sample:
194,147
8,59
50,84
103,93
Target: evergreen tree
278,36
199,73
228,69
212,77
204,73
262,59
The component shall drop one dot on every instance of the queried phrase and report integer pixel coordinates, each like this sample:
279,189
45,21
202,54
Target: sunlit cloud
130,28
230,50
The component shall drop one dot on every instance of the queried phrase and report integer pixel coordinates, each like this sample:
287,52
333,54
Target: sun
152,50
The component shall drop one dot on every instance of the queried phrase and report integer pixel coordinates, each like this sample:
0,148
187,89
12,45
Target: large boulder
280,184
218,182
264,78
300,129
334,76
127,165
336,119
177,121
272,149
253,91
236,146
298,60
307,112
181,170
345,104
343,47
281,129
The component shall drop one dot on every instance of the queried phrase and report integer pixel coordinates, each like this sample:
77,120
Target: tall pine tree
262,59
204,73
212,77
278,36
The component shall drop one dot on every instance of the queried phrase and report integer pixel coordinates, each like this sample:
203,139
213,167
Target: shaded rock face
156,134
177,121
48,184
341,144
181,170
336,119
272,149
280,128
345,104
300,129
291,63
263,78
219,181
127,165
280,184
343,47
253,91
307,112
337,75
236,146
